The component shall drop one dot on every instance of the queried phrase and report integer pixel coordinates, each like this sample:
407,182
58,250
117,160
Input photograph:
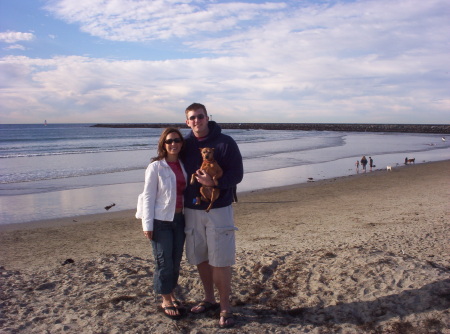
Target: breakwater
407,128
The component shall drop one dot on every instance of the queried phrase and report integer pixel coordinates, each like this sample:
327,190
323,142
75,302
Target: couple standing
170,215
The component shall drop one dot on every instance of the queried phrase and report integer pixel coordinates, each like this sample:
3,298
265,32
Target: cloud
359,61
15,47
143,20
14,36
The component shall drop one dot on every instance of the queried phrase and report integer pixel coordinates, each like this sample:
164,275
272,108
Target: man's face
198,122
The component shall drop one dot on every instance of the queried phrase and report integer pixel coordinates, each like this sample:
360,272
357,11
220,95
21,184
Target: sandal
205,307
171,308
180,307
228,319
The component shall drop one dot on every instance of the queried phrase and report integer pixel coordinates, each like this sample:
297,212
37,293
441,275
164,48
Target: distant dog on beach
389,168
411,161
212,168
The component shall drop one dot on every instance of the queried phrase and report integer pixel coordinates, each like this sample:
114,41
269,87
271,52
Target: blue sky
86,61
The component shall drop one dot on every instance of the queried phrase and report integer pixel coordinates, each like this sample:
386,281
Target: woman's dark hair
161,151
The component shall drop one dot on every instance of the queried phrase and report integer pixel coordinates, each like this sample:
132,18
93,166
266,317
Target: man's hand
148,234
204,178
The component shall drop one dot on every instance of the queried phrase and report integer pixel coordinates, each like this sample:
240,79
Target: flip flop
227,316
206,306
177,304
180,307
171,308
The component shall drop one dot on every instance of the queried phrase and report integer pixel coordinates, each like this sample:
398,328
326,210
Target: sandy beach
368,253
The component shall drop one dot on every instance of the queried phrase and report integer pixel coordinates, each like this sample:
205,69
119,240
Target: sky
133,61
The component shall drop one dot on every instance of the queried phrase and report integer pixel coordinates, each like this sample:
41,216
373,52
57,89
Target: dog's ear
200,149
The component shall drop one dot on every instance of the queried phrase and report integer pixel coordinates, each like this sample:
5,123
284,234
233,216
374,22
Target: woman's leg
163,277
178,246
162,244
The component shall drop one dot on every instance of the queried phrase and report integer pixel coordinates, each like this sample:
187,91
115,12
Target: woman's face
173,144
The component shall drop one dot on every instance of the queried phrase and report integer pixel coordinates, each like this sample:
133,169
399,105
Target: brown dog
212,168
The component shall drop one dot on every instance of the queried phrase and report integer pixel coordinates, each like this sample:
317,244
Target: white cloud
15,47
142,20
14,36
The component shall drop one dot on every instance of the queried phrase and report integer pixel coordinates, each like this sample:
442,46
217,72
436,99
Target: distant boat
45,123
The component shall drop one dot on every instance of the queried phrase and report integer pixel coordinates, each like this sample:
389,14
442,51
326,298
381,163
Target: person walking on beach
364,162
160,207
210,236
370,163
357,165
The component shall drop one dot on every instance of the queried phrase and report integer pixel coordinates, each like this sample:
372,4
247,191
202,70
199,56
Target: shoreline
71,220
24,208
361,254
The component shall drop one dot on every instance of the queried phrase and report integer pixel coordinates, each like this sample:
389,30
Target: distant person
371,163
364,162
357,165
161,210
406,160
210,236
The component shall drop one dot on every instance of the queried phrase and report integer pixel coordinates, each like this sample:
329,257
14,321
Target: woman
163,219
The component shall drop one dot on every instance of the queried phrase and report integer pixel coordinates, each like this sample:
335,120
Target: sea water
64,170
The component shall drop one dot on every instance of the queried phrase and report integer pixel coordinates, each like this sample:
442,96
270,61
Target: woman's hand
148,234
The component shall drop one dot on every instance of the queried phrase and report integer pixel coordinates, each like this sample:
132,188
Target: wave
58,175
80,150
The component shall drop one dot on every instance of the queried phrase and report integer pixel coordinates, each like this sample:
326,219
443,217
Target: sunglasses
199,116
171,141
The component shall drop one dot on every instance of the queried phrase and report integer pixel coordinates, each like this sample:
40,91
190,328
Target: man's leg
222,280
206,275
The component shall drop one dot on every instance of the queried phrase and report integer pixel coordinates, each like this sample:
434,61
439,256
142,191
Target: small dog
389,168
412,161
212,168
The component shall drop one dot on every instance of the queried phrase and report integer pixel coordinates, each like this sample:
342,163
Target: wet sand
367,253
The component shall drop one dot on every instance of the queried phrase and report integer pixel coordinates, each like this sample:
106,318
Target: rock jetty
408,128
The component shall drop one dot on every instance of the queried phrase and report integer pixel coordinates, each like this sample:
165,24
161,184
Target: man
210,240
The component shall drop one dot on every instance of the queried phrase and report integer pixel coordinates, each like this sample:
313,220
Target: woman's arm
150,189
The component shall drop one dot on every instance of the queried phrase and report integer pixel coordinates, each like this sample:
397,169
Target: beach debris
310,179
68,261
46,286
109,206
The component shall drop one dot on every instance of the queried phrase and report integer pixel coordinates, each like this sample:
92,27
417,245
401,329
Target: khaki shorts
210,236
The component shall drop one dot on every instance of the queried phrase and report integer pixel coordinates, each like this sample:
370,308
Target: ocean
65,170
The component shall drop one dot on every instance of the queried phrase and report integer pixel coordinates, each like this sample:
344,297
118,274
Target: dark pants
167,244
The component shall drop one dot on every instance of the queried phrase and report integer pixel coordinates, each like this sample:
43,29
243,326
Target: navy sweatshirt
227,155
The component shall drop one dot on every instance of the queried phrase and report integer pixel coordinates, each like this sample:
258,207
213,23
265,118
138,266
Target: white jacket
158,201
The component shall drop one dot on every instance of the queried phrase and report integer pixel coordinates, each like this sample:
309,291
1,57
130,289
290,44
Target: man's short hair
194,107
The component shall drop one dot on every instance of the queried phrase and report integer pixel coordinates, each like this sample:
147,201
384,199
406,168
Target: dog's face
207,153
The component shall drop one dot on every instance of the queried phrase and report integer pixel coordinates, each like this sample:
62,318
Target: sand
362,254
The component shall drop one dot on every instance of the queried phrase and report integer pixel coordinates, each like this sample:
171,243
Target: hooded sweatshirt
227,155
